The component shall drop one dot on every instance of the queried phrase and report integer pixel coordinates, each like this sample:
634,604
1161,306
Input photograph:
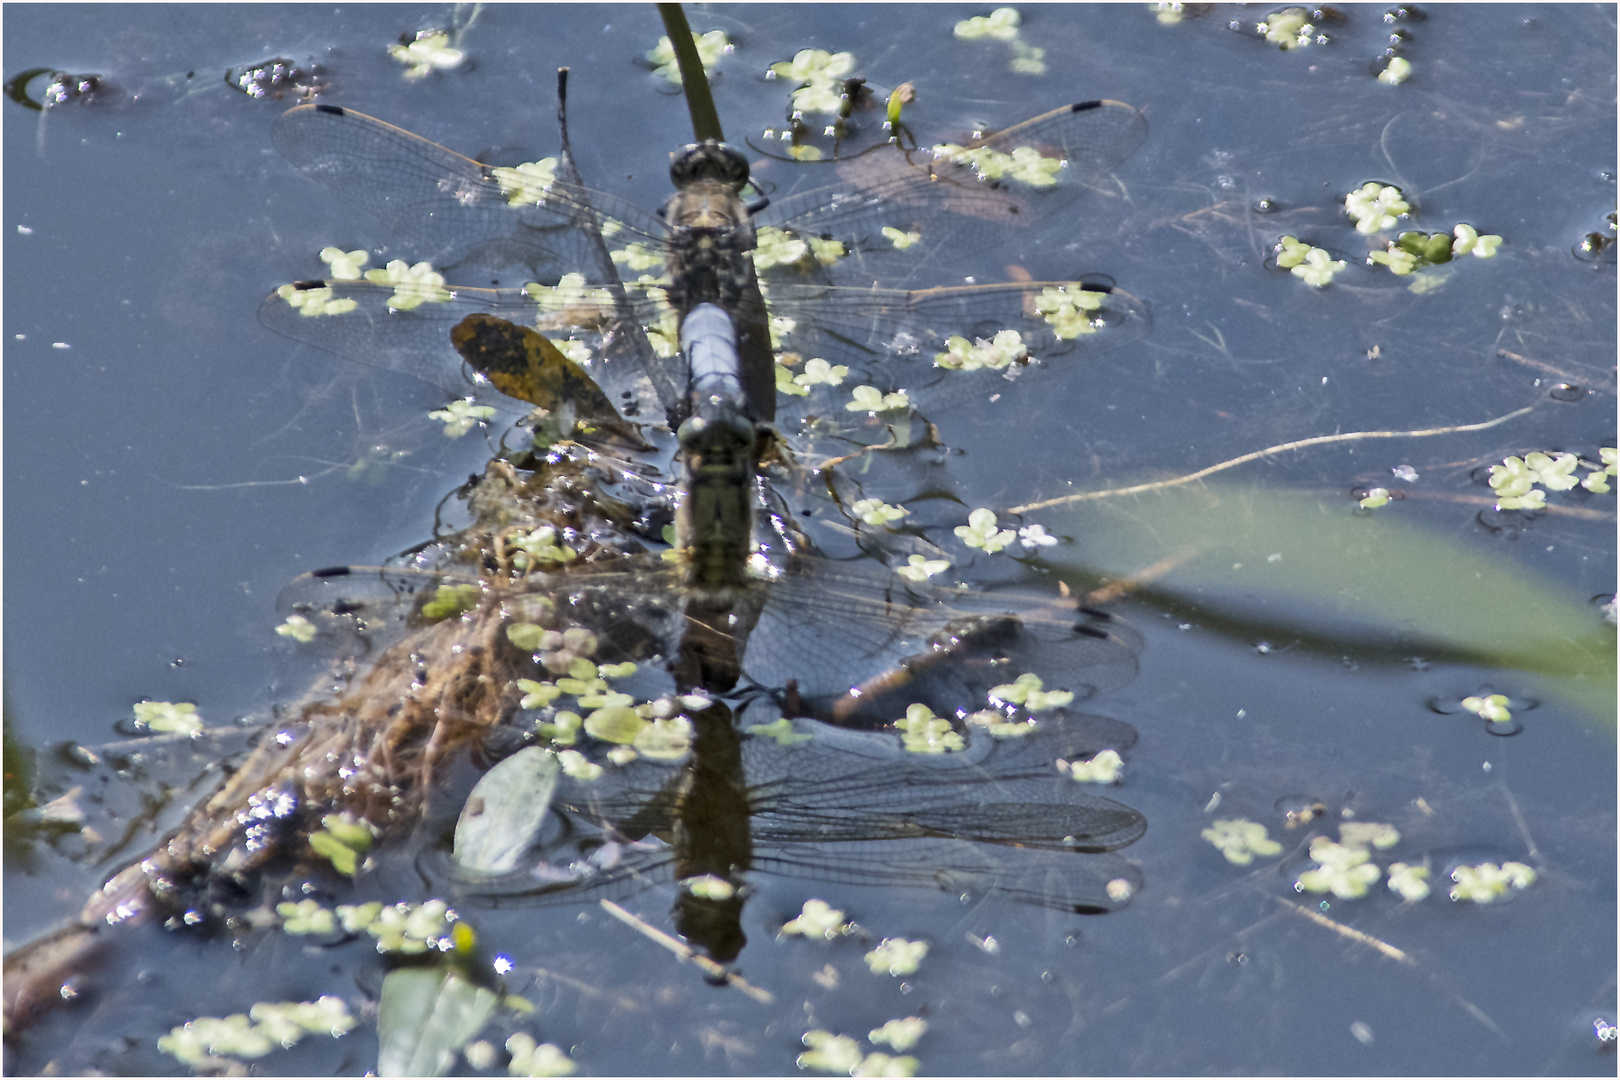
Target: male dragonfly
850,356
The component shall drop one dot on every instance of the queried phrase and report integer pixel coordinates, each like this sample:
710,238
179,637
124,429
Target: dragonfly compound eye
709,160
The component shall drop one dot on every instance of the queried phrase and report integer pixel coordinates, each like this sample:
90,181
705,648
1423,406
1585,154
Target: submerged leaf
505,810
1274,564
425,1017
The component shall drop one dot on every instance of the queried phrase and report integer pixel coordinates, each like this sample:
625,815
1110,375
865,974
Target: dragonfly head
709,161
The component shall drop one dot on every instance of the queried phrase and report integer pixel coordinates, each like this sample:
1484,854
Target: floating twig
1298,444
689,954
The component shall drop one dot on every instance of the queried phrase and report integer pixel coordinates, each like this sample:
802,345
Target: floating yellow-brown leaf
522,364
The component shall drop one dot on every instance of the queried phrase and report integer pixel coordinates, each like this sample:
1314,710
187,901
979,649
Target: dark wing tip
331,572
337,110
1081,106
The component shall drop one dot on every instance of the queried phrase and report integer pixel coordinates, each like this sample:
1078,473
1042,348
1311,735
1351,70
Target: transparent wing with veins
940,345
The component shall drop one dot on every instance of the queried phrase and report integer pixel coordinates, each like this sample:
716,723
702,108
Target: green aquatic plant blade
426,1016
1303,567
505,810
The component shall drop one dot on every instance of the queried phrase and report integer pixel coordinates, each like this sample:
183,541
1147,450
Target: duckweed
1364,834
1104,768
897,956
536,695
461,416
819,919
817,372
527,185
921,732
1486,882
578,766
1375,207
430,52
537,1059
1241,841
571,289
312,303
344,265
1034,537
1001,24
451,600
820,75
838,1054
920,568
879,1064
1396,72
901,1034
901,239
1409,882
981,532
665,738
414,285
876,512
402,928
709,887
1470,242
306,917
1492,709
1342,869
1027,691
869,399
1025,164
1289,28
1167,12
541,547
341,840
1318,268
267,1026
298,629
996,354
710,48
616,724
168,717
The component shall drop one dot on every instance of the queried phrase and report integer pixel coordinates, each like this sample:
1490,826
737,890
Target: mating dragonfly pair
806,636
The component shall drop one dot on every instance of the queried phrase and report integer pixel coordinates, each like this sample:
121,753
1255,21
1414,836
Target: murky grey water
156,436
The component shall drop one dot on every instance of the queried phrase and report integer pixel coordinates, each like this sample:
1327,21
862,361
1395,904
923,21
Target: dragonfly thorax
711,234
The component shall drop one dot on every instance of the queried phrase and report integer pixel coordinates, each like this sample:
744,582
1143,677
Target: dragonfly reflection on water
834,805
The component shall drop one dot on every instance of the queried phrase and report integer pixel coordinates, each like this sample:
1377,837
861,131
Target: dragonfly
819,802
844,352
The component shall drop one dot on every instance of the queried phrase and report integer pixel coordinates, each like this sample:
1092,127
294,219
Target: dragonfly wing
1064,880
407,327
937,348
895,211
842,631
464,210
1010,793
